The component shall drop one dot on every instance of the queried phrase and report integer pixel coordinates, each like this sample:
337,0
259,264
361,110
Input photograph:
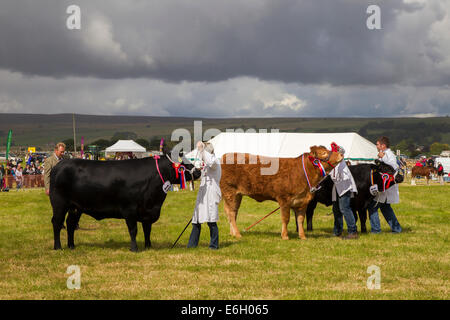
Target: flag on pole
8,144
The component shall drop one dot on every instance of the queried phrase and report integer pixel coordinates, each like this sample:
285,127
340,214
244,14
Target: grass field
413,265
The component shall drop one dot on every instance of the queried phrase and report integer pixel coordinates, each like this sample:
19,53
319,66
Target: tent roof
290,145
125,146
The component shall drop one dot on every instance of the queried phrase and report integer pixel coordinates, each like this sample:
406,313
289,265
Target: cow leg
132,229
355,215
59,213
231,206
300,218
147,227
309,215
285,215
72,222
362,212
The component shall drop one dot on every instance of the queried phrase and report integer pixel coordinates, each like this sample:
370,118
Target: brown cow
288,186
423,172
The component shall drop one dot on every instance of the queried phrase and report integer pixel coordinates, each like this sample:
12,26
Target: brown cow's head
328,158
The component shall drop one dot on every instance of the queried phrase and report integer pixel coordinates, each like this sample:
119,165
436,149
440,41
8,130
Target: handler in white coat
384,199
208,197
344,187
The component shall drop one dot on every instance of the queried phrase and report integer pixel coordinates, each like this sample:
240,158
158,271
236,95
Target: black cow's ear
377,162
166,150
373,167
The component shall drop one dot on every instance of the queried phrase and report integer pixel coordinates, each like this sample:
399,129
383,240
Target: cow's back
250,175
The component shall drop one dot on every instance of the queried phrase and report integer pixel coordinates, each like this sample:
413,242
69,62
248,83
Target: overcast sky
226,58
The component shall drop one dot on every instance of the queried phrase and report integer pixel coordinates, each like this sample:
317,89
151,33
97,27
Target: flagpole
74,135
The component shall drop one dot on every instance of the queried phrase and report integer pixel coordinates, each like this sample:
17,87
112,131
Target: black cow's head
194,173
182,166
385,168
384,176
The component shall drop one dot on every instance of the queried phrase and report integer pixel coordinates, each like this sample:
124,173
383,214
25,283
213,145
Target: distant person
440,172
2,174
29,159
384,199
50,162
19,177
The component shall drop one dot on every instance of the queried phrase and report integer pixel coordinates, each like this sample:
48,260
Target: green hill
43,130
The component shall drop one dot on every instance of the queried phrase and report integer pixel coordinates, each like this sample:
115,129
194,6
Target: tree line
151,143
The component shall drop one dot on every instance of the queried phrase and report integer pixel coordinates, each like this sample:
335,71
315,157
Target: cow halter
156,157
386,177
317,163
166,184
180,170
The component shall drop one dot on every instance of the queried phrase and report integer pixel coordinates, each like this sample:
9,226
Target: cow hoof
236,235
285,237
57,248
134,249
72,247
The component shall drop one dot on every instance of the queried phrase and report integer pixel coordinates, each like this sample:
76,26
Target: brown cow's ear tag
166,186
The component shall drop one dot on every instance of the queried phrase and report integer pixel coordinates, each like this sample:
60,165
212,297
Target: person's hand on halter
199,158
200,146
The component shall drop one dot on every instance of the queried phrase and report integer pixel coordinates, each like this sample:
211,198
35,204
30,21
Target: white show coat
391,195
343,180
209,194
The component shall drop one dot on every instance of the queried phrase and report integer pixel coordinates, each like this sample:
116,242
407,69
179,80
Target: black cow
127,189
362,174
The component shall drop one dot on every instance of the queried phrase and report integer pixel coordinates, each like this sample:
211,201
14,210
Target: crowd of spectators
18,169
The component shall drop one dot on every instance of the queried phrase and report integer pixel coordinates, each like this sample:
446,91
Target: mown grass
414,264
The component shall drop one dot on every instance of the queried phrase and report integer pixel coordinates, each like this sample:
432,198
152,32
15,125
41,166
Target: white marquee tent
126,146
290,145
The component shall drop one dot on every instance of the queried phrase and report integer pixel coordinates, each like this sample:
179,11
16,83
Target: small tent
290,145
126,146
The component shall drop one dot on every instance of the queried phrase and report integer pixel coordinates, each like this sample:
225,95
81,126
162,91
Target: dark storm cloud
322,41
226,58
238,97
